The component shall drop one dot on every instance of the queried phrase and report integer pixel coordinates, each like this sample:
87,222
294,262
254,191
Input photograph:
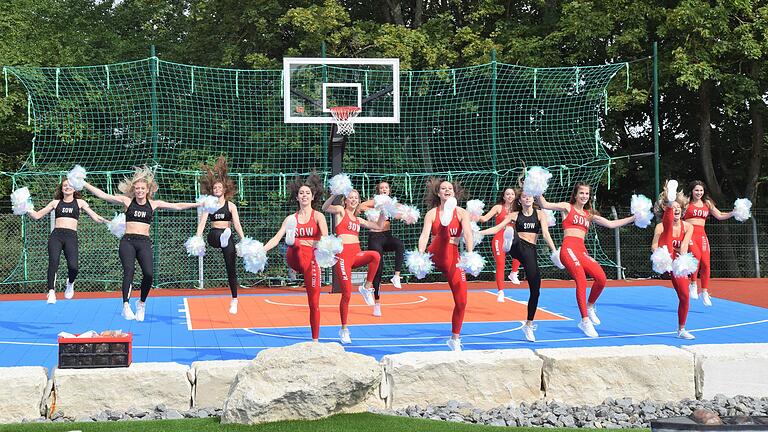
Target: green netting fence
478,125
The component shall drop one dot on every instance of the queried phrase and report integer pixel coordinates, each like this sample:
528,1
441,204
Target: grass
365,422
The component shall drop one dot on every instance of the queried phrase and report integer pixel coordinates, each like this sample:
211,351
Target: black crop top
528,224
139,213
222,214
67,209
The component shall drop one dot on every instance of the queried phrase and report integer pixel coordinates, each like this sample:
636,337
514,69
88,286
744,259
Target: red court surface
265,311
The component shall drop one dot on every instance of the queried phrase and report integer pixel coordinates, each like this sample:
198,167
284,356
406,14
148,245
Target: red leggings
446,256
579,264
702,243
301,258
349,258
500,256
680,283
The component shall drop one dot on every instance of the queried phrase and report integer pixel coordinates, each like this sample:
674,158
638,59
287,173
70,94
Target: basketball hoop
343,116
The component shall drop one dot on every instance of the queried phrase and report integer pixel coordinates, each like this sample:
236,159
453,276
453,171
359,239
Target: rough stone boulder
21,392
302,382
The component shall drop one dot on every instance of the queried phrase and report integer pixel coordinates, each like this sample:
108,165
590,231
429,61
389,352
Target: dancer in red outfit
348,230
578,215
699,208
302,231
676,235
504,206
445,245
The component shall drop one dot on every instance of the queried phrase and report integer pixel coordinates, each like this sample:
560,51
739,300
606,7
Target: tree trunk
756,114
418,14
395,11
705,141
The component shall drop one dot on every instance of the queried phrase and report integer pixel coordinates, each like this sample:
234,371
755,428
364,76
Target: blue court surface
638,315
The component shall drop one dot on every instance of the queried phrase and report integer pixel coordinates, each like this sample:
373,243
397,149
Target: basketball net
343,116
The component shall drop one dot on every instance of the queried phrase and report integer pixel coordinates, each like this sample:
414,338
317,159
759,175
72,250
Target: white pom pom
741,209
447,214
290,231
117,225
551,221
373,215
195,246
327,248
408,214
253,254
536,181
210,204
471,262
386,204
420,264
685,265
76,178
555,258
640,206
475,207
21,201
340,184
661,261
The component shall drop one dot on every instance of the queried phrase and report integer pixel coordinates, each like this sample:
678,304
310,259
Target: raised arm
429,218
365,205
491,213
546,205
114,199
164,205
89,211
236,220
618,223
466,228
330,207
544,221
380,223
37,214
276,239
500,226
202,218
656,236
717,213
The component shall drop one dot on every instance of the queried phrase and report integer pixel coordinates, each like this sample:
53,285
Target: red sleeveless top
576,220
309,230
348,226
693,212
502,214
452,230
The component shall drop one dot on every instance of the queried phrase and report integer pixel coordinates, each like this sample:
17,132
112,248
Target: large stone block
21,392
212,380
83,392
589,375
303,381
485,379
731,369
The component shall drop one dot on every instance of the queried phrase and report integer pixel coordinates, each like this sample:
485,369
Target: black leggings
135,247
526,253
66,240
214,240
385,242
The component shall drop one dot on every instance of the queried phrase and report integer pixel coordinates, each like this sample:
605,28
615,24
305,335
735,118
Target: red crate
95,352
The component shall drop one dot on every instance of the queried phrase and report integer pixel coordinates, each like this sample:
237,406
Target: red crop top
576,220
309,230
348,226
693,212
452,230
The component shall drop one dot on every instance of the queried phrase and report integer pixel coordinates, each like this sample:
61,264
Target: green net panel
478,125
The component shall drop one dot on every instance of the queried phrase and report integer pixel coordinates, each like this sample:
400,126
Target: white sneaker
377,309
588,329
51,297
513,278
694,290
396,282
706,299
500,296
344,336
671,190
233,306
367,295
454,344
528,332
127,312
509,237
70,291
684,334
141,308
290,231
592,314
224,238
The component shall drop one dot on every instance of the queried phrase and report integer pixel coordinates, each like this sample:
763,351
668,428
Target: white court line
422,299
563,317
384,338
188,315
